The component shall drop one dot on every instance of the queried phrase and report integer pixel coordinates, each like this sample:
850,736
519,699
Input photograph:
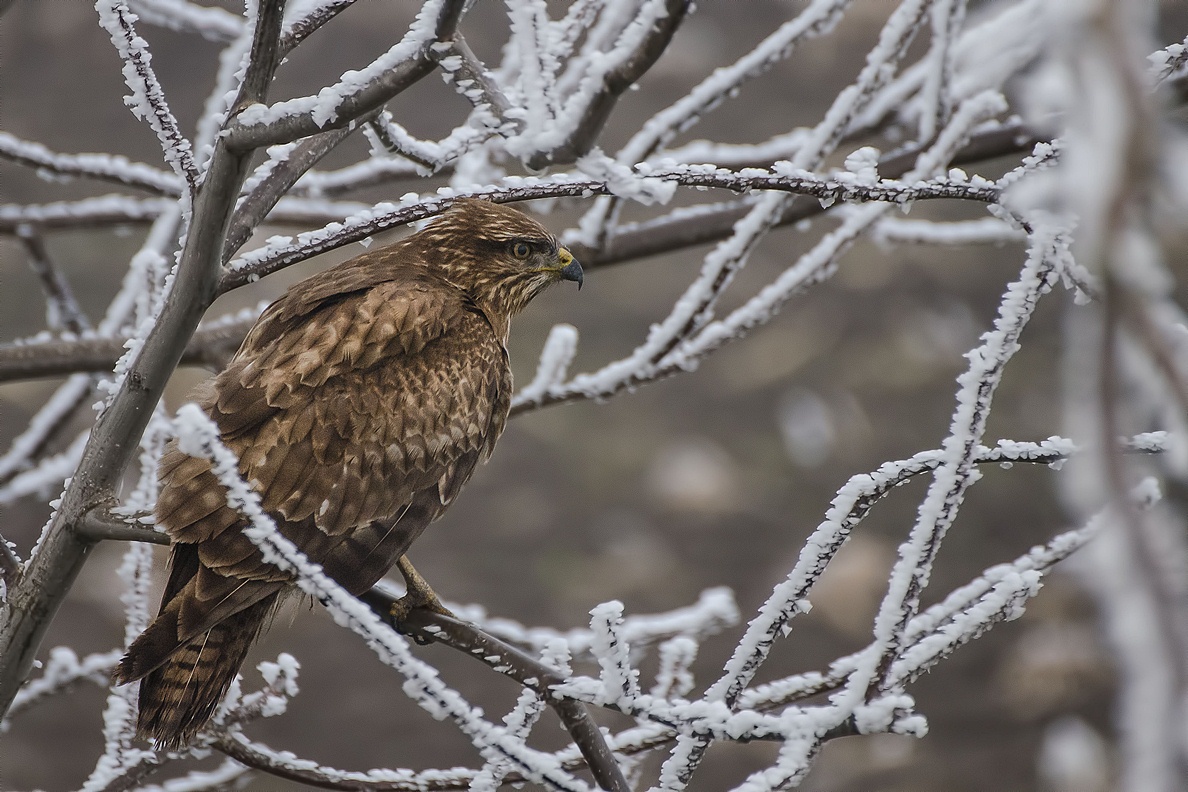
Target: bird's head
498,255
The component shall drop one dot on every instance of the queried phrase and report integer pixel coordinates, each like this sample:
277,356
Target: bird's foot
418,594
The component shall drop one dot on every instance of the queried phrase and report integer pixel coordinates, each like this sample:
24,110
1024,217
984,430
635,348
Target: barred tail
179,696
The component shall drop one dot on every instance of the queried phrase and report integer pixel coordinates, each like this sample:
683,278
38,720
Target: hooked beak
570,270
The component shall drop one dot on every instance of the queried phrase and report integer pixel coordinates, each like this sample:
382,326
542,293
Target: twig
104,167
63,310
150,104
99,524
300,29
10,566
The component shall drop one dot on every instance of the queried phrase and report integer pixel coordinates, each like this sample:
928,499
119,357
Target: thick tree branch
350,105
113,441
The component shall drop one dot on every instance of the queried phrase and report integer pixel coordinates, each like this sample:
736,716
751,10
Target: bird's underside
358,406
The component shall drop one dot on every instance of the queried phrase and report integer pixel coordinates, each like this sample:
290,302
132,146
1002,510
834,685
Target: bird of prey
358,405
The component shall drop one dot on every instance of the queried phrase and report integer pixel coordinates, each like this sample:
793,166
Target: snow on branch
104,167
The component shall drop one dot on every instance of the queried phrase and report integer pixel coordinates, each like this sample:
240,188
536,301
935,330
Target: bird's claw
418,595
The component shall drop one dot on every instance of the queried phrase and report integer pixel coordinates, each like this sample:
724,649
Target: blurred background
712,478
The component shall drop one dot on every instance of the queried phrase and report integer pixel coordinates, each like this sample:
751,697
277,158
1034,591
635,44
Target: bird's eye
521,250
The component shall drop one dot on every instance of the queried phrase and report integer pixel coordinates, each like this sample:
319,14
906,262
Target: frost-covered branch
356,93
103,167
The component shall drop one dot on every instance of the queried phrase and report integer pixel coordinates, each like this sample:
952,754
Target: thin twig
64,311
99,524
598,109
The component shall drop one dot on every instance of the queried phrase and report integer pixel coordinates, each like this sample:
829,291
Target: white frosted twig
101,210
945,626
818,18
714,610
529,707
61,671
147,100
326,105
620,682
558,352
44,423
936,95
215,24
119,716
198,435
105,167
674,676
984,231
225,776
957,472
47,474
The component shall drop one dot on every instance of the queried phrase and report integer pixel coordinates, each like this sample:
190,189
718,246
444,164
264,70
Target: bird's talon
418,595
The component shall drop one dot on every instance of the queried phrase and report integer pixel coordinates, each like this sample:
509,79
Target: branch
148,99
253,208
99,524
516,664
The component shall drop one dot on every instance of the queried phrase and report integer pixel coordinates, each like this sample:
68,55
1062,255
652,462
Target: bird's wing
343,417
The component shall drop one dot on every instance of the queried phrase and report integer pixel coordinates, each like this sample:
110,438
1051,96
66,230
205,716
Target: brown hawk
359,404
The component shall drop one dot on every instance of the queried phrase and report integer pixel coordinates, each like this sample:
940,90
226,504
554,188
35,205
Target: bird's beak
570,269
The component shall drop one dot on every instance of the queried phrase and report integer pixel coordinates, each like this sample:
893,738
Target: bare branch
64,312
99,524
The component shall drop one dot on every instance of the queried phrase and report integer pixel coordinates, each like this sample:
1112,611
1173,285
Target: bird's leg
418,594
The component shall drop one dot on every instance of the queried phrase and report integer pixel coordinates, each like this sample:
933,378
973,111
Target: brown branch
255,207
303,27
372,96
682,230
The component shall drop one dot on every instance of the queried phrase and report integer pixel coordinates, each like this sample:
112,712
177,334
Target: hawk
358,404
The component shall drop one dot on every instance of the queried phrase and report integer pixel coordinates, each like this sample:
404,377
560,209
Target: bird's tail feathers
180,694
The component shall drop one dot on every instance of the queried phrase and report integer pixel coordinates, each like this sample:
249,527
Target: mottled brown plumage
359,404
